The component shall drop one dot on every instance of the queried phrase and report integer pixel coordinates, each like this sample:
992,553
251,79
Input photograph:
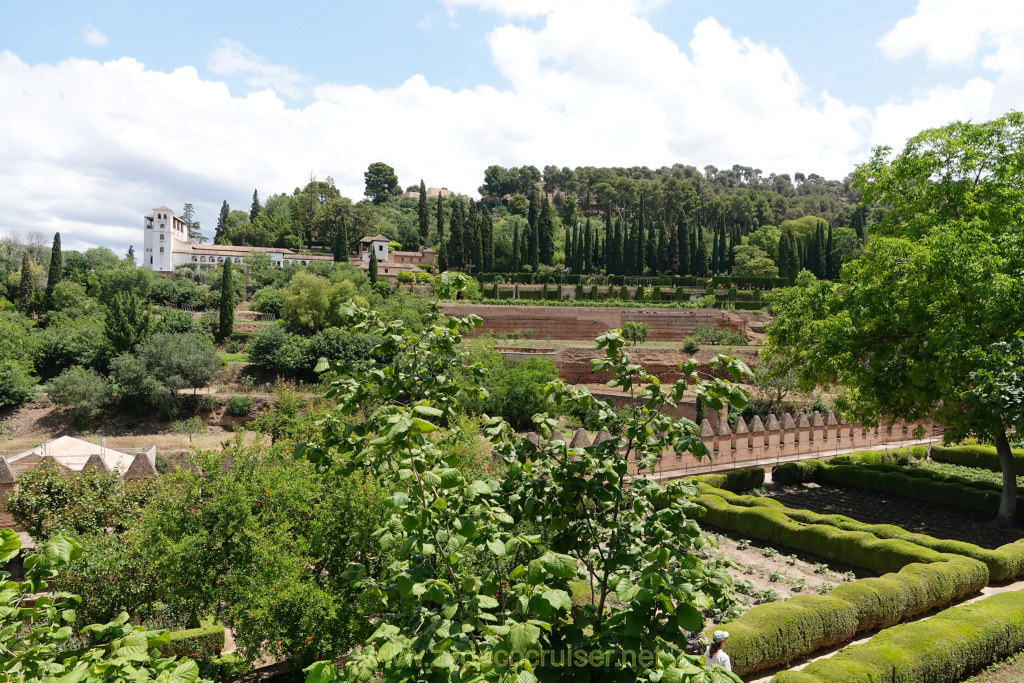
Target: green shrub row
977,456
948,647
207,638
724,281
924,485
736,481
915,579
803,471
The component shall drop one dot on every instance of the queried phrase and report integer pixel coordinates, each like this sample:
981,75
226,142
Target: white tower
164,233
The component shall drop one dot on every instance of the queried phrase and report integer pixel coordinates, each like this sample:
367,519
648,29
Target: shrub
983,457
690,346
238,406
947,647
636,332
85,392
17,385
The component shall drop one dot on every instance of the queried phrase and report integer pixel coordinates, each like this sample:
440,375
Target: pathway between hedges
765,676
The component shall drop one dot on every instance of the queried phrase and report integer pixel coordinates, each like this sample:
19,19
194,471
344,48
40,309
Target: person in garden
715,654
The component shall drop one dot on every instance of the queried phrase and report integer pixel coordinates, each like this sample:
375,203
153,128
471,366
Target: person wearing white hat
714,654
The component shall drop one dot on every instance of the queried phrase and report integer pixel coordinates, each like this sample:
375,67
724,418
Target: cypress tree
340,247
831,267
254,210
227,302
456,240
442,258
784,256
789,258
130,256
701,267
714,252
609,238
487,237
56,271
723,260
222,222
439,220
684,247
857,222
477,251
26,287
424,215
588,248
546,231
818,253
671,265
524,246
638,255
694,231
577,250
533,210
516,255
570,242
373,266
667,248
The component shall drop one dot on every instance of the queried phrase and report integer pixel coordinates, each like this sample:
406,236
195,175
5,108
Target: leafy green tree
50,499
635,332
17,385
267,300
490,561
766,238
311,302
84,391
381,182
190,427
423,214
34,630
912,320
126,323
125,278
227,303
56,271
751,261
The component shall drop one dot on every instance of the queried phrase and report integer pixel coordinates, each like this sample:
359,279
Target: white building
167,245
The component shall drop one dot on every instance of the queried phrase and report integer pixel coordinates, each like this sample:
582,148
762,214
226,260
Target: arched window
161,250
161,226
161,238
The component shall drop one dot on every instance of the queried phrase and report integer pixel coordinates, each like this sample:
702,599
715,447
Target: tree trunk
1008,504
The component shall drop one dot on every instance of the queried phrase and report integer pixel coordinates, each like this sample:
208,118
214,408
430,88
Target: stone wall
586,323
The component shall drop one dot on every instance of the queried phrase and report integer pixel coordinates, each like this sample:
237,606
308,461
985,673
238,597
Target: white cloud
232,57
88,147
93,36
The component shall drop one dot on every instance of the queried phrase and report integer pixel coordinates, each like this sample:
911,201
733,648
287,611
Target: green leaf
321,672
9,545
187,671
688,617
562,566
486,602
496,546
134,647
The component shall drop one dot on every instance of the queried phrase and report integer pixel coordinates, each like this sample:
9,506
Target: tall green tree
26,285
701,261
381,182
588,249
423,214
56,272
695,232
517,256
457,240
227,302
715,265
373,267
126,323
340,247
684,247
912,331
254,210
439,219
831,265
546,233
188,216
222,222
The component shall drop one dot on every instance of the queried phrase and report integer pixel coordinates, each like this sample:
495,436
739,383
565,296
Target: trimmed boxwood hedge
803,471
737,481
977,456
915,579
948,647
206,638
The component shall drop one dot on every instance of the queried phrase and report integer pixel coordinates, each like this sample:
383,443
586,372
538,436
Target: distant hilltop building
432,193
167,245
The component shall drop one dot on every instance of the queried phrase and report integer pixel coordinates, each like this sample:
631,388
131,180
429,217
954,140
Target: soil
1011,671
940,521
778,569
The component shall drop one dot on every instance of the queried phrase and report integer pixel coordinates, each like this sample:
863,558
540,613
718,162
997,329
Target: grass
234,357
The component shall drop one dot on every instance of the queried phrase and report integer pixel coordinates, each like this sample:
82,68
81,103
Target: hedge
977,456
803,471
947,647
915,579
737,481
207,638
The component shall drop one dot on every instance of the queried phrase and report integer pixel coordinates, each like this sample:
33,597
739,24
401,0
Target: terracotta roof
162,208
308,257
378,238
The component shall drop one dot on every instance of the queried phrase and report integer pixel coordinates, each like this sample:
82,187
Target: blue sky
113,108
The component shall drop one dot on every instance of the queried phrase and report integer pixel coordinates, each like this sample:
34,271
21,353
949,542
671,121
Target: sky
110,109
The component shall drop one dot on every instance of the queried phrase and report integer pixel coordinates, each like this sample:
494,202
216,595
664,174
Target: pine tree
588,248
222,222
424,215
26,287
254,210
439,219
340,247
373,266
227,302
56,271
701,268
125,324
